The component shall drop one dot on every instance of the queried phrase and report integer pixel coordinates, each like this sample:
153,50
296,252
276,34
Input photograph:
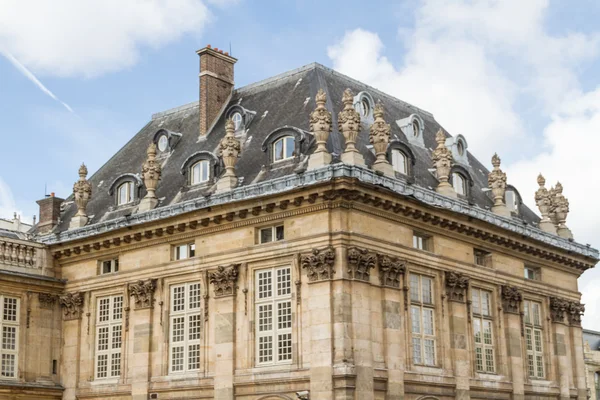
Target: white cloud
8,205
483,68
88,38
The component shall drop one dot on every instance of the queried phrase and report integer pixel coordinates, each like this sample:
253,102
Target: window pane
540,366
429,352
178,298
414,287
477,330
417,351
284,281
194,296
279,232
104,309
195,174
9,337
415,317
178,329
485,303
528,339
399,161
531,365
278,150
194,356
289,147
205,167
284,343
536,313
177,358
538,340
487,332
527,315
130,187
266,235
192,250
115,364
264,285
106,267
478,359
265,317
489,360
117,336
265,349
123,194
427,321
194,327
102,366
426,284
475,303
103,338
284,315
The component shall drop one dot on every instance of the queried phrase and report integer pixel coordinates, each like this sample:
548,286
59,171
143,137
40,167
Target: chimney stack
49,213
216,84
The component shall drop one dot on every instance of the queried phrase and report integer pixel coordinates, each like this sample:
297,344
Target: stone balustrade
19,253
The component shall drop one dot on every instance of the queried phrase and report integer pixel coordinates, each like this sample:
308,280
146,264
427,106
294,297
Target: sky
520,78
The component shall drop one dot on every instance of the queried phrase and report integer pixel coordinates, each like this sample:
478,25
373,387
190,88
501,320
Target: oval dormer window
460,148
200,172
365,107
284,148
416,128
163,143
237,120
125,193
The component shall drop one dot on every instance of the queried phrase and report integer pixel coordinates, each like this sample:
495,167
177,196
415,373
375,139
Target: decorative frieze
47,300
143,292
319,264
360,263
72,304
511,299
574,313
224,280
558,309
456,286
391,270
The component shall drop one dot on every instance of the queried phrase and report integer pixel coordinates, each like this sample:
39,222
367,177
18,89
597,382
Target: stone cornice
515,230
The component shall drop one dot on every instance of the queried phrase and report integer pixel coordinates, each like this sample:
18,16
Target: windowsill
179,376
104,381
271,242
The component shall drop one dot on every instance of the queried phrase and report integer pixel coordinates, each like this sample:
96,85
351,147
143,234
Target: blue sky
519,78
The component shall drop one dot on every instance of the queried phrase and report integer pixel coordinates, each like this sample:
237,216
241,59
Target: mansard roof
281,102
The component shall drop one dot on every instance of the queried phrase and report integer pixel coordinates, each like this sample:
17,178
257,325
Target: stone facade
591,345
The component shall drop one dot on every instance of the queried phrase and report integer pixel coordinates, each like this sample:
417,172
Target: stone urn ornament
442,161
561,210
82,191
349,126
229,150
320,126
543,200
379,137
151,172
497,182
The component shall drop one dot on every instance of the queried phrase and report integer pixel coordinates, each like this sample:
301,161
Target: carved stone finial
151,172
456,286
379,137
225,280
442,161
360,263
574,313
319,264
349,126
511,299
72,304
497,182
229,150
543,200
82,191
390,270
320,126
143,291
560,208
558,308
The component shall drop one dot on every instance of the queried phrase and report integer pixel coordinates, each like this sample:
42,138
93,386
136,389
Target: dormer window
125,193
200,172
365,107
237,120
460,148
363,103
284,148
399,162
416,128
512,202
459,183
163,143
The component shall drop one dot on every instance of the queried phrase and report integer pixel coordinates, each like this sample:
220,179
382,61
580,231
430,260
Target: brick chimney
49,213
216,84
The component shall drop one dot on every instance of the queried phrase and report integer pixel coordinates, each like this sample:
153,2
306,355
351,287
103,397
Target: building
592,363
308,236
15,227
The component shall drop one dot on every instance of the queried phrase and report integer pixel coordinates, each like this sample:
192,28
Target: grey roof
11,234
593,338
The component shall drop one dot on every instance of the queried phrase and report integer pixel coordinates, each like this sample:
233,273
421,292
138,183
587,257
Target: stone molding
456,286
319,264
143,292
360,263
72,304
511,299
224,280
47,300
390,270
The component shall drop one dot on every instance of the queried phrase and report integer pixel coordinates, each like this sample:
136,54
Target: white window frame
459,183
483,330
482,258
535,272
114,266
534,338
400,161
200,172
511,200
273,312
286,141
9,328
129,193
273,230
190,251
109,337
421,241
185,327
422,304
237,120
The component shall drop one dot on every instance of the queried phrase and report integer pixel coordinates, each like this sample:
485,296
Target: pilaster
513,333
72,305
456,293
574,313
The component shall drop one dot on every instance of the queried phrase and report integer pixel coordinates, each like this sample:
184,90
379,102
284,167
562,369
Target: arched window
511,200
163,143
399,161
459,183
460,148
365,107
200,172
416,128
125,193
284,148
237,120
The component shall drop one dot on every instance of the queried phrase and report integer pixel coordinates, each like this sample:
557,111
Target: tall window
273,316
399,162
533,337
109,333
200,172
483,330
185,328
459,183
125,193
283,148
422,319
10,337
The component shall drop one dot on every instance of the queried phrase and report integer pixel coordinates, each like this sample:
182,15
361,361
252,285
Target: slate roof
284,100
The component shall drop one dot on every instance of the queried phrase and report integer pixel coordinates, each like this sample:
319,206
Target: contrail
33,79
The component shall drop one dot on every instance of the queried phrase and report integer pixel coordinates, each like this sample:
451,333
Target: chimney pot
208,46
52,194
226,53
216,49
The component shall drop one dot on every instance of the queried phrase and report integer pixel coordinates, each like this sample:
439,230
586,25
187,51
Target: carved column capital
360,263
390,270
456,286
511,299
47,300
72,304
143,292
558,309
225,280
319,264
574,313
